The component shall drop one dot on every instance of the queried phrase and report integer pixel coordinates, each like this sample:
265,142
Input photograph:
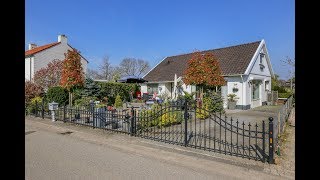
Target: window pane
152,88
255,89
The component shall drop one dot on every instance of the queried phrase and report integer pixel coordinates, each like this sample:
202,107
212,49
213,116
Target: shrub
111,89
212,102
58,95
100,105
34,102
215,102
170,118
77,94
84,101
284,95
118,102
280,89
152,117
203,111
148,119
111,100
232,97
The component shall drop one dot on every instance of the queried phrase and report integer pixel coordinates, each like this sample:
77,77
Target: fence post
263,142
64,113
185,123
271,141
93,116
132,122
42,112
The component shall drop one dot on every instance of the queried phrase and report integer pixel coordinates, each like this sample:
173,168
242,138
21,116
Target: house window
260,64
255,89
261,57
152,88
266,85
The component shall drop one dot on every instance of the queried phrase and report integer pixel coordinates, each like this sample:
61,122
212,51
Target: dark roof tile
232,60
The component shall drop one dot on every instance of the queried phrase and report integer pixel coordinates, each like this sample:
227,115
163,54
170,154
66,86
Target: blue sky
152,30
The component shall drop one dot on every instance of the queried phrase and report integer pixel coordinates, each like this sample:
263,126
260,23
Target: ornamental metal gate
181,123
186,125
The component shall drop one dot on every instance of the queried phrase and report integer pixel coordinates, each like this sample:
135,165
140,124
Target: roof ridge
40,48
218,48
43,45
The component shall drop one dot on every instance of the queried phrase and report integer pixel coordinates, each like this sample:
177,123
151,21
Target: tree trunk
70,99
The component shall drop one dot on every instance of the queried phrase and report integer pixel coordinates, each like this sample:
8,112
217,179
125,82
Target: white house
37,57
246,68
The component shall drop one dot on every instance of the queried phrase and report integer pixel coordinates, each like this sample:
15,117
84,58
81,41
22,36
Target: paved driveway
255,115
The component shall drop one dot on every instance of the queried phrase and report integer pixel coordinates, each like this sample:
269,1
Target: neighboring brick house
245,67
38,57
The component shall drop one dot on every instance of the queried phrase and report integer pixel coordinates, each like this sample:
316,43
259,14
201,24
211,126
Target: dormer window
261,57
261,64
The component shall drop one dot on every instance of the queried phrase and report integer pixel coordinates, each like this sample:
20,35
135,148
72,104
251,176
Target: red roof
40,48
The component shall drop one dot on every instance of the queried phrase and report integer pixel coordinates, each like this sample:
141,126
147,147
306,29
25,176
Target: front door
256,93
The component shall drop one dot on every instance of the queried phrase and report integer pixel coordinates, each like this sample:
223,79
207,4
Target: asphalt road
83,155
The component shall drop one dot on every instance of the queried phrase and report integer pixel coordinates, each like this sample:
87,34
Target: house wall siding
27,65
257,74
44,57
144,88
256,67
165,89
262,90
236,81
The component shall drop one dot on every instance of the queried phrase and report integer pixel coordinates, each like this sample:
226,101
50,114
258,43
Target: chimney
32,46
62,38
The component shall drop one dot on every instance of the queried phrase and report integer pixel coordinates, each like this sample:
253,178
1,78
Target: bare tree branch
291,63
93,74
105,69
132,66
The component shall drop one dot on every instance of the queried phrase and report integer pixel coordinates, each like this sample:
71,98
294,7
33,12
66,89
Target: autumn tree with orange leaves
204,71
72,74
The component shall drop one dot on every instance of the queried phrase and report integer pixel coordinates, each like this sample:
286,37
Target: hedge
58,95
284,95
112,89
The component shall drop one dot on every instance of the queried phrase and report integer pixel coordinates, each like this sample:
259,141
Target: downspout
242,91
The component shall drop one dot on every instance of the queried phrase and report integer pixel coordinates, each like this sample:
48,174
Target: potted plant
232,101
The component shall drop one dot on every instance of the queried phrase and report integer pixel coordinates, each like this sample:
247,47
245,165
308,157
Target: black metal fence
178,123
281,118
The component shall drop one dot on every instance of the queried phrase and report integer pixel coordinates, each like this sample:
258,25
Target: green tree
91,88
274,82
118,101
58,95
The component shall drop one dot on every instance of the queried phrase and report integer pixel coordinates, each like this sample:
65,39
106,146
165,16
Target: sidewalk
194,158
286,161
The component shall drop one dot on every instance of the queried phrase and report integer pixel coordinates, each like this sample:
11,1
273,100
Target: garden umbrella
131,79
